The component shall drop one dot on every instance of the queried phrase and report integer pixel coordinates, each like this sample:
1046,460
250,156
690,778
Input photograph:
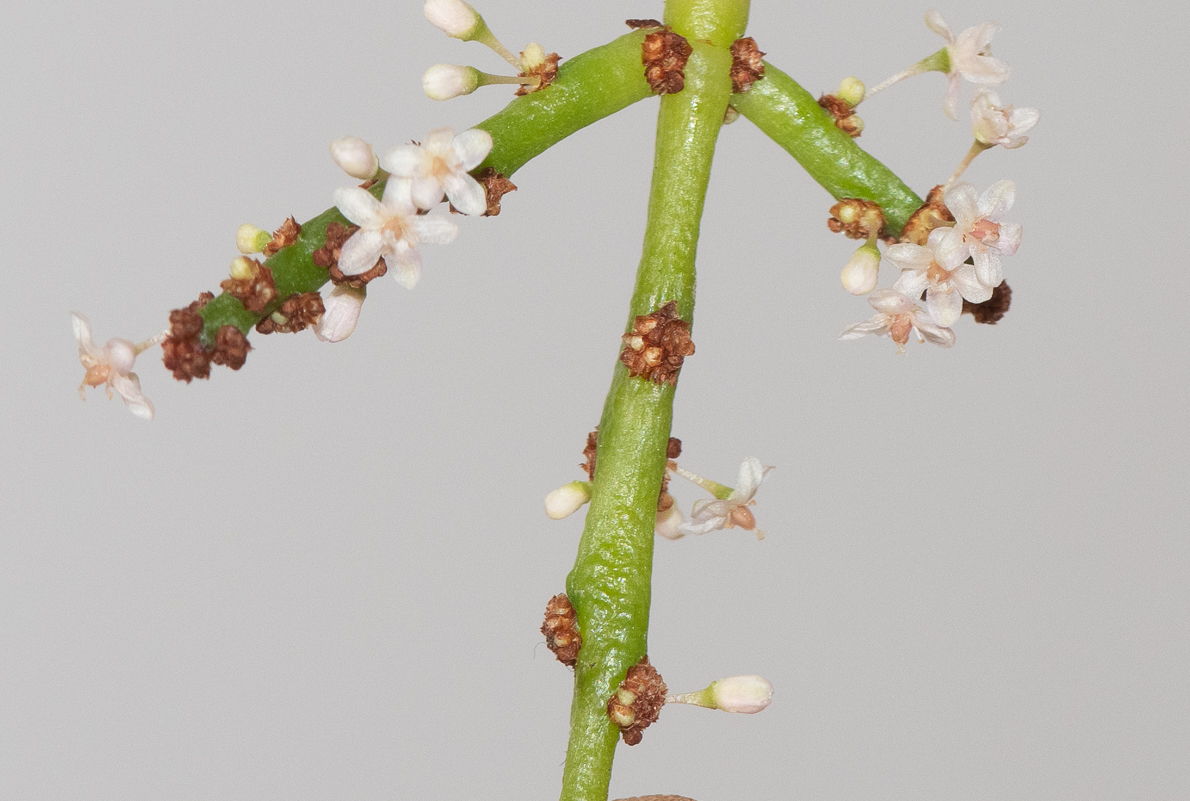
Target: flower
341,308
355,157
440,166
112,365
729,511
970,57
945,287
898,316
978,233
994,124
389,228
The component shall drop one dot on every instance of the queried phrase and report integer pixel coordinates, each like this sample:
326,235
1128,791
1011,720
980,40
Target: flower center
741,516
97,374
938,276
900,329
393,226
986,231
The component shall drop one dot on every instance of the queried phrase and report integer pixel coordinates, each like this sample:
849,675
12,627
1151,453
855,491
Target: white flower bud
743,694
668,522
453,17
445,81
730,116
862,271
342,308
567,499
355,157
251,239
242,267
851,91
532,56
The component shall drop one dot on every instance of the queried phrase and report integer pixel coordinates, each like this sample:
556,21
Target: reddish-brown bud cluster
284,236
496,186
664,55
846,120
231,347
657,345
992,310
546,71
255,291
561,630
183,352
297,313
328,256
637,24
746,65
853,218
932,214
637,703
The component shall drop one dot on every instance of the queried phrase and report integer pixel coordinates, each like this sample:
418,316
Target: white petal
939,335
408,263
360,252
963,203
82,332
398,197
427,192
950,103
944,306
408,161
440,142
907,256
708,516
969,286
876,324
911,284
938,25
1010,238
952,248
987,267
987,70
432,229
1023,119
749,478
129,388
472,147
343,305
997,199
466,194
357,205
890,302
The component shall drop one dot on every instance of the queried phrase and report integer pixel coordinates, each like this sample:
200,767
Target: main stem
610,583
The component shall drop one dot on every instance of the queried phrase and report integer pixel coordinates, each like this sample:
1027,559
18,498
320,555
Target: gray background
322,577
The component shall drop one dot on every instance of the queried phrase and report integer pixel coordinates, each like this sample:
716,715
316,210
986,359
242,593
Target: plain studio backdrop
322,577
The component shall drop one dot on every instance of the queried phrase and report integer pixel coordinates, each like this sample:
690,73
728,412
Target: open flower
730,507
439,167
970,57
897,317
391,228
923,270
994,124
978,233
112,365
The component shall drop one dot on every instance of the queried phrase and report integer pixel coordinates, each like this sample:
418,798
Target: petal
1010,238
82,332
434,229
361,251
911,284
343,305
708,516
938,25
129,388
969,286
877,324
466,194
952,248
987,267
939,335
408,161
408,263
1023,119
907,256
472,147
987,70
427,192
944,306
357,205
963,203
398,196
950,103
440,142
749,478
997,199
890,301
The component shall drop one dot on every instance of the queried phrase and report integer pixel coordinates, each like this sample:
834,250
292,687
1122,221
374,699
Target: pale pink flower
440,166
921,271
391,228
978,232
994,124
730,508
897,317
970,57
112,365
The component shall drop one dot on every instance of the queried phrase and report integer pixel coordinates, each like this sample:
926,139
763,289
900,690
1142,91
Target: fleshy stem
610,583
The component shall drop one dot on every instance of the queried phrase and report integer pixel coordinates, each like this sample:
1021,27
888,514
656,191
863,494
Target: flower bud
532,57
444,81
668,522
567,499
744,694
355,157
251,239
731,115
453,17
851,91
862,271
243,267
342,307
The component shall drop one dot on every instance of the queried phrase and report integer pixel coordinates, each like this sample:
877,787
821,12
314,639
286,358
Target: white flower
970,57
355,157
391,228
342,306
732,511
440,165
994,124
112,365
898,316
453,17
978,232
945,289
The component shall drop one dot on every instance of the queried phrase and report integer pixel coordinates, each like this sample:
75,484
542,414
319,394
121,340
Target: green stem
793,119
610,583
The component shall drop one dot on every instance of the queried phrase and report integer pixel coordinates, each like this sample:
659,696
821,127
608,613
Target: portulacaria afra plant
946,253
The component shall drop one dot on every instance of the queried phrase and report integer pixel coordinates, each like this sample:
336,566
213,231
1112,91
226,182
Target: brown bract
589,453
657,345
637,703
561,630
183,353
546,71
636,24
256,291
673,450
932,214
746,64
992,310
854,217
297,313
664,55
284,236
328,256
496,186
846,119
231,347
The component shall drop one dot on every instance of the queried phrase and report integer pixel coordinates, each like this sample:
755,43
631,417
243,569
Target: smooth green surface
793,119
718,22
610,583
